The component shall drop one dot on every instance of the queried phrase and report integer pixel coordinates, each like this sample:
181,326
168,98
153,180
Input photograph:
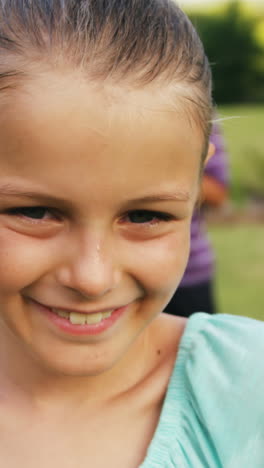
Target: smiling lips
81,323
83,319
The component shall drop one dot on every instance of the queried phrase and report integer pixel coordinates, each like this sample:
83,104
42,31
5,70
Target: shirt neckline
169,427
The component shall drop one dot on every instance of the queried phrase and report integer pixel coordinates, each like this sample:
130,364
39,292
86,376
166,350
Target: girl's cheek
161,262
22,260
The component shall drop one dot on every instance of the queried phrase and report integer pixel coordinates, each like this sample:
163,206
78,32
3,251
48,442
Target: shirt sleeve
224,377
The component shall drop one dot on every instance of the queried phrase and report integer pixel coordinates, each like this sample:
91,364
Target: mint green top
213,413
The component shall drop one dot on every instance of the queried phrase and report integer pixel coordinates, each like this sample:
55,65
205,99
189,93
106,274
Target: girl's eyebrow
10,190
180,195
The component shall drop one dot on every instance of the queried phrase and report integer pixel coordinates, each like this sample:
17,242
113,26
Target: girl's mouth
83,319
76,323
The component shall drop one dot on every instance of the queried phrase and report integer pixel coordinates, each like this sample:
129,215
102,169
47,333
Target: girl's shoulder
213,414
224,352
229,337
223,373
229,345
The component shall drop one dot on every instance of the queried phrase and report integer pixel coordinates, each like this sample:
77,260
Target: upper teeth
82,319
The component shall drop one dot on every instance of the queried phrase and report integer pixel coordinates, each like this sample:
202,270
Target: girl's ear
210,153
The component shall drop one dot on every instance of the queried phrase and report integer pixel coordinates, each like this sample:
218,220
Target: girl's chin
71,367
75,359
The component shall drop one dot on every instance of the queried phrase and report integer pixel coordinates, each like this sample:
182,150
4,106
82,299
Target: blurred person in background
196,290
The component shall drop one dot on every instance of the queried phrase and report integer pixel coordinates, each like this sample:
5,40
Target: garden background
233,35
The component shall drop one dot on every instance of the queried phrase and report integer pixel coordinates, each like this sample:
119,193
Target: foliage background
233,36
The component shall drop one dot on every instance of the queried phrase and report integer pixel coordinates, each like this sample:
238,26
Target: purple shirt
200,267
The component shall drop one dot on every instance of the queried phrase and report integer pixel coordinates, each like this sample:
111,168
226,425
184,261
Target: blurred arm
213,192
215,182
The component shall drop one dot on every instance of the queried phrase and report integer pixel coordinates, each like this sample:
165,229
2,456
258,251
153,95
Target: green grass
244,134
240,269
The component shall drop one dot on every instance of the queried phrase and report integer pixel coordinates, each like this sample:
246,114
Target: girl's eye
146,216
32,212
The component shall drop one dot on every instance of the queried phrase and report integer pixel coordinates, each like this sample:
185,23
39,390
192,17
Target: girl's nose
90,269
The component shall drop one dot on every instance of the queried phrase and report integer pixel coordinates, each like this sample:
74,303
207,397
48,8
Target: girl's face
97,190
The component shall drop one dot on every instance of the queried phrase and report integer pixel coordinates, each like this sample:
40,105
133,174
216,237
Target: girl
105,117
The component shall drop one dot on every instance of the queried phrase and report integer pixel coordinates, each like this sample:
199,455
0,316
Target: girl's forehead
105,107
87,130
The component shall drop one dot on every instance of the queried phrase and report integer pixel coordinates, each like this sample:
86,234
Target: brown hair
140,41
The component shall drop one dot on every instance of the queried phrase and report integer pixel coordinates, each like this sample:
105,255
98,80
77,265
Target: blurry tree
234,52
